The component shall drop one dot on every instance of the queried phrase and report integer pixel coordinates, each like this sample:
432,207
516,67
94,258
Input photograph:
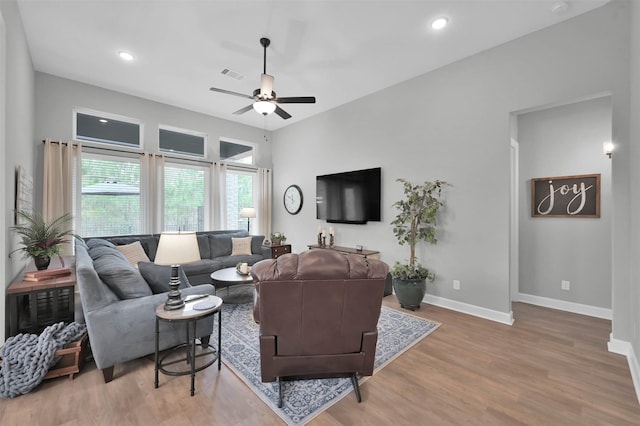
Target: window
182,141
237,152
104,128
241,187
110,196
184,197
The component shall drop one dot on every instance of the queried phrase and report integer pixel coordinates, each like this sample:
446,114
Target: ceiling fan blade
296,100
229,92
243,110
282,113
266,85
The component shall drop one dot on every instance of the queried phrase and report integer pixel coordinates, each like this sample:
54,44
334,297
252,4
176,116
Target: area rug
305,399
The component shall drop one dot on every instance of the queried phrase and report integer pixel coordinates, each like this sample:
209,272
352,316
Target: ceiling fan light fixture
264,107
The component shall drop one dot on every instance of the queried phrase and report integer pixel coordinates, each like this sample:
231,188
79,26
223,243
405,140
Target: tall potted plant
415,222
41,239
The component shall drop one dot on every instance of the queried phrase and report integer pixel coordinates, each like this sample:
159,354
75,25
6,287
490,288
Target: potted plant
40,239
415,222
278,238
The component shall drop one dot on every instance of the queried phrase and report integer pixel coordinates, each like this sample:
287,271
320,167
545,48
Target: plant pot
410,292
41,262
276,242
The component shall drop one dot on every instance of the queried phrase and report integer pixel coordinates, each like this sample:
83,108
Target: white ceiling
335,50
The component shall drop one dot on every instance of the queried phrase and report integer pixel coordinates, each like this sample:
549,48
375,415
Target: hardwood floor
549,368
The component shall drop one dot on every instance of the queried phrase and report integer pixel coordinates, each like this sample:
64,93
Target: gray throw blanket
26,358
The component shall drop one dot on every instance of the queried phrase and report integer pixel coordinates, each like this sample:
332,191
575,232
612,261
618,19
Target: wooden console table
49,301
348,250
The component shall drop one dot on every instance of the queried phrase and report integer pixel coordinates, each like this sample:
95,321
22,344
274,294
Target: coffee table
230,277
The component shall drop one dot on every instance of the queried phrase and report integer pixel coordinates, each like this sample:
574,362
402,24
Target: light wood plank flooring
549,368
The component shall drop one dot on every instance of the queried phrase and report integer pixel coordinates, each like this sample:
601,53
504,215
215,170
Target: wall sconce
607,148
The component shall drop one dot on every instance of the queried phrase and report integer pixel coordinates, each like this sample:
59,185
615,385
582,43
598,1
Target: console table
278,250
348,250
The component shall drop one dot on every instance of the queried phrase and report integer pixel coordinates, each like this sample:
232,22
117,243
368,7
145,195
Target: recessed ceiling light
439,23
125,56
103,121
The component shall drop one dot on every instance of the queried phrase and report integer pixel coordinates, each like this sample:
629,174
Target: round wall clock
293,199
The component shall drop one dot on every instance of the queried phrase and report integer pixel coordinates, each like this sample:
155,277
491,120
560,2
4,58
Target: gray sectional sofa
118,300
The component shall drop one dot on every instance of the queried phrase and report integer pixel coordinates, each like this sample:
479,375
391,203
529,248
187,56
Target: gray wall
58,96
18,127
561,141
454,124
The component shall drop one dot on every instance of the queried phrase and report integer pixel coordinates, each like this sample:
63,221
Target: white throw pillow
134,253
241,246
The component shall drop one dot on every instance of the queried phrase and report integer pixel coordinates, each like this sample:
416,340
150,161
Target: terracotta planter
410,292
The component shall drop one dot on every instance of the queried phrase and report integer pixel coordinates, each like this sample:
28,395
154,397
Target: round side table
190,314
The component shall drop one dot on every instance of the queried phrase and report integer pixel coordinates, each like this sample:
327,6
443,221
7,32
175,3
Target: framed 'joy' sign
566,196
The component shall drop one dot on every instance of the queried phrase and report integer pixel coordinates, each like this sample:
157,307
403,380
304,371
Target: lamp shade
177,248
248,212
264,107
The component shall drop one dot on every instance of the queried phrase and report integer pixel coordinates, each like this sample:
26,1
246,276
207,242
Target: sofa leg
107,373
356,386
204,341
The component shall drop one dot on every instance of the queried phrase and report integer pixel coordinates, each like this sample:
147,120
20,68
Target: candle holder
324,241
331,241
319,239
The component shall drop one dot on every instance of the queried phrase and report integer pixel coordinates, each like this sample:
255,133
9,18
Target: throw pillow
241,246
158,276
134,253
118,274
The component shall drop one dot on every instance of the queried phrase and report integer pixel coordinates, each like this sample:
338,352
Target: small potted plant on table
41,239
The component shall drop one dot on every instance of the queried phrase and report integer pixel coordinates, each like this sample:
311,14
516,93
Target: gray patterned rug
305,399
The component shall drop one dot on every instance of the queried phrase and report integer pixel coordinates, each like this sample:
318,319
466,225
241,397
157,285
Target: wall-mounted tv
349,197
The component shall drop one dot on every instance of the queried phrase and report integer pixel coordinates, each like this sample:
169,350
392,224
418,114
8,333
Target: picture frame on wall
24,192
566,196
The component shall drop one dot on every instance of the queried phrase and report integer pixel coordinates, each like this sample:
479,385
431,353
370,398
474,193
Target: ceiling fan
265,99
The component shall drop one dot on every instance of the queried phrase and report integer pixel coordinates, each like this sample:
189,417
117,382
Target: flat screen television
349,197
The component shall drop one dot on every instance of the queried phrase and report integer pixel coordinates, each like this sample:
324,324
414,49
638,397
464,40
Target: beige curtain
218,174
264,202
61,182
152,192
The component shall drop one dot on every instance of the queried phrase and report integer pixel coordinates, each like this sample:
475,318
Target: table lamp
175,249
248,212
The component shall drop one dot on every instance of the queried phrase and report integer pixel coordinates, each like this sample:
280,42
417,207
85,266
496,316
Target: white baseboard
476,311
625,348
576,308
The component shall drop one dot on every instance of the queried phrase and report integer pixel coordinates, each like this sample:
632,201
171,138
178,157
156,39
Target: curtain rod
99,148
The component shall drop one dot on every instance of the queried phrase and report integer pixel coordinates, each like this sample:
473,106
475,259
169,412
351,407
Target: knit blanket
26,358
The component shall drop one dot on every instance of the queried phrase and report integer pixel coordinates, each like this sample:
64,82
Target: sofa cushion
241,246
256,244
99,251
221,243
205,266
203,245
230,261
158,276
134,253
97,242
118,274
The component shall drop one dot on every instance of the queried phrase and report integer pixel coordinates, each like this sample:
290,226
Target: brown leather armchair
318,313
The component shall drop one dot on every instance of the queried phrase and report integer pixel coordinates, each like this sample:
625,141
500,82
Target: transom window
237,152
181,141
105,128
